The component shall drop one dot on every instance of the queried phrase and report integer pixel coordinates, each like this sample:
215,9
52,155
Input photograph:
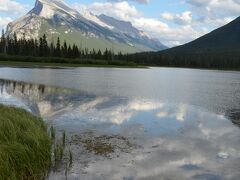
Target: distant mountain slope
55,18
222,40
218,49
127,29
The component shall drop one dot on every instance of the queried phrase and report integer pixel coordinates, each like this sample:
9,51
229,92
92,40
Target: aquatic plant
53,132
58,152
63,137
70,157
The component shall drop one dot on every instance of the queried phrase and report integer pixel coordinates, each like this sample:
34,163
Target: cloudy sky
173,22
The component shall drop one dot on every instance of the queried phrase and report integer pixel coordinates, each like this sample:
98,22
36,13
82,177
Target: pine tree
45,46
106,55
41,53
36,48
3,43
52,49
65,49
9,45
70,54
75,51
31,47
99,54
58,48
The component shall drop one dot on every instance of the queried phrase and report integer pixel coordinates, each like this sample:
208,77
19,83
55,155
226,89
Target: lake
159,123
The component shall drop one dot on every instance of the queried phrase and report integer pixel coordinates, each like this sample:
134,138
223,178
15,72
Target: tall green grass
25,146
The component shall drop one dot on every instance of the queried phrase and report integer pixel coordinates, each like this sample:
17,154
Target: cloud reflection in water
178,141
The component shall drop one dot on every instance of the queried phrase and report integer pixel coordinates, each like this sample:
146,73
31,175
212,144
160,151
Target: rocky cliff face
56,19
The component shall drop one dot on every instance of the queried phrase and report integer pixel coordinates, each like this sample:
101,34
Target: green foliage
60,60
209,59
33,50
25,146
58,152
41,48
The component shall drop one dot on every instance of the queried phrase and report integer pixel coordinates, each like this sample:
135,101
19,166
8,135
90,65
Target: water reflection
234,115
175,141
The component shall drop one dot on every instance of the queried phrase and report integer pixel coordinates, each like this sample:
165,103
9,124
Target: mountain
219,49
55,18
225,39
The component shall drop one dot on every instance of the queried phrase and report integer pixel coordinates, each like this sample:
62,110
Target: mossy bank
25,146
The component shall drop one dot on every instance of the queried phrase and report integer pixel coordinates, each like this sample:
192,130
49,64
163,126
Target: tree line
34,48
228,58
42,48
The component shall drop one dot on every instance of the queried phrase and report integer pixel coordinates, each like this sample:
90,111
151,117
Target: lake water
163,123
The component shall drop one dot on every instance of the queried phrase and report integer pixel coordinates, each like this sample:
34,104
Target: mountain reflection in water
174,141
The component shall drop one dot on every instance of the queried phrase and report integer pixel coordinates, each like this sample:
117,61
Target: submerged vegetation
102,145
60,155
25,146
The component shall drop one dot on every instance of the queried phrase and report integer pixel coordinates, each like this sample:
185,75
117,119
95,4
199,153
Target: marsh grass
25,146
58,152
70,158
59,149
63,137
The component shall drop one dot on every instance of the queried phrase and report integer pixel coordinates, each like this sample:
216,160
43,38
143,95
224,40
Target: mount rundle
57,19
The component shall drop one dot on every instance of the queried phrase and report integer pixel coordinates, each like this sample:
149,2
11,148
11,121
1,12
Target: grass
28,61
61,65
25,146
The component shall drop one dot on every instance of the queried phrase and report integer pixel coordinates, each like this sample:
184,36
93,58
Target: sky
173,22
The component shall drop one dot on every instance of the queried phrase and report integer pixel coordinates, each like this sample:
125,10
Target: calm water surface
181,123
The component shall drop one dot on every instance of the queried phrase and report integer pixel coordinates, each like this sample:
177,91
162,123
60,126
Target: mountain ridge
219,49
225,37
55,18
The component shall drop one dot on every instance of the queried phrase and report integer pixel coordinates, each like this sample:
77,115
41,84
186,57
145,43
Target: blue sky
173,22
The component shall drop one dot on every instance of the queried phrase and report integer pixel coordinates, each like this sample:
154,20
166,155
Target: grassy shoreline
16,64
60,65
57,62
30,61
25,146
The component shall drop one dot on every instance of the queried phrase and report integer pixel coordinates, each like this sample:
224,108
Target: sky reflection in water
176,141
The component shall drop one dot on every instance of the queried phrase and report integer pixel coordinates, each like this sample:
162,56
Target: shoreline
18,64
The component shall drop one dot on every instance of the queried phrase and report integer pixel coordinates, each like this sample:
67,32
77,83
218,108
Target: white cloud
122,10
153,26
12,7
214,13
167,16
169,36
202,17
139,1
4,21
181,19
